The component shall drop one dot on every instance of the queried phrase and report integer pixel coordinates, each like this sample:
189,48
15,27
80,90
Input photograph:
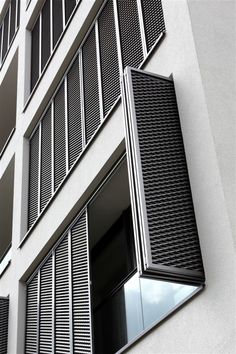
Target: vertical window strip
13,19
9,27
142,30
80,55
69,7
66,125
57,20
99,71
39,167
70,293
52,147
17,14
117,26
46,35
40,43
51,26
1,41
5,35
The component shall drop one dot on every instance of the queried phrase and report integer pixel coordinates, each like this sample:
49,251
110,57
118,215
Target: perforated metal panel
162,196
131,43
46,308
59,137
69,7
81,287
34,54
5,34
31,333
91,93
46,160
109,57
57,20
4,312
33,179
45,47
62,319
153,21
13,19
74,112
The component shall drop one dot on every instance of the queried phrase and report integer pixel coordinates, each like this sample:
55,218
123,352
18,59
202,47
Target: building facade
117,176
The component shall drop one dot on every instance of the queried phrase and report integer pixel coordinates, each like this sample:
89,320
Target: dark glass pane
45,45
13,19
5,35
57,20
69,7
35,54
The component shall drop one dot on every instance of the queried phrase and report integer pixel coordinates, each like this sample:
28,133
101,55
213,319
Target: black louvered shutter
46,308
45,46
62,300
153,21
158,172
33,178
109,57
59,137
46,159
31,333
81,287
91,94
13,19
5,35
74,112
57,20
69,7
4,312
34,54
131,42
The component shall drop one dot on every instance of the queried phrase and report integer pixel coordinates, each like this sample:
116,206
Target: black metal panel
31,332
18,14
62,320
33,179
5,35
4,312
131,43
57,20
59,137
80,281
91,92
45,45
109,57
34,54
69,7
46,160
74,113
46,308
163,195
153,21
13,19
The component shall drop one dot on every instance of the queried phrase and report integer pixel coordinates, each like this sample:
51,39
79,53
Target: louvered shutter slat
81,295
4,312
158,171
46,311
153,21
13,19
62,320
131,43
59,136
45,47
109,57
46,160
91,95
57,20
34,54
33,179
74,112
31,340
5,35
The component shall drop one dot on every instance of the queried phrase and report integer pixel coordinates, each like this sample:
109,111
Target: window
8,28
88,93
4,311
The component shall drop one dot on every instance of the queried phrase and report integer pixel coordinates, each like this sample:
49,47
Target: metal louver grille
33,179
109,57
153,21
35,54
62,320
31,340
91,94
5,35
13,19
46,160
131,43
166,215
45,52
80,284
46,308
74,113
69,7
59,136
4,311
57,20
